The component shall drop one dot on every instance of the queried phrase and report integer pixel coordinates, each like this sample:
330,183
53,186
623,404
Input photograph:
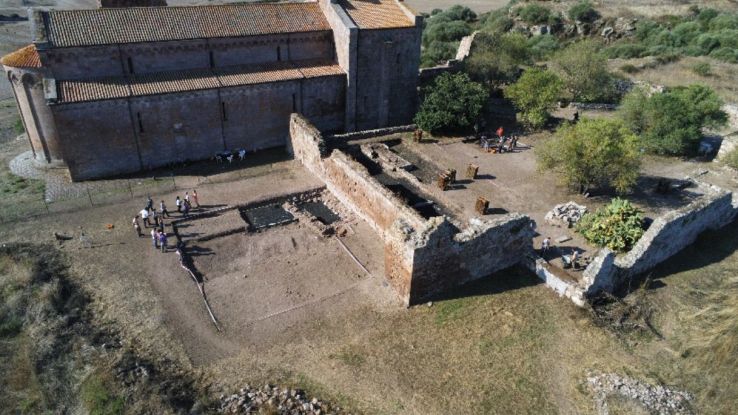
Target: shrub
97,397
625,51
445,32
583,11
438,52
542,47
629,68
592,154
702,68
497,22
671,122
535,95
534,14
18,126
617,226
731,159
496,58
453,101
584,72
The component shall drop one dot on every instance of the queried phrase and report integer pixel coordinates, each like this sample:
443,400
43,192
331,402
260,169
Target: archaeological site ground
378,227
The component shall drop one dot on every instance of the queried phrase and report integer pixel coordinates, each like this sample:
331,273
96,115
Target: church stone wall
142,58
82,62
177,127
97,139
323,101
387,77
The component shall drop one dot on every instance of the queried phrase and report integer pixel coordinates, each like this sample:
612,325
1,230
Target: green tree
496,58
584,72
442,32
453,101
617,226
592,154
535,95
671,122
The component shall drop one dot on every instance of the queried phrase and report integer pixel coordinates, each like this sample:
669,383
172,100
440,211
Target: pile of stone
565,214
272,399
656,399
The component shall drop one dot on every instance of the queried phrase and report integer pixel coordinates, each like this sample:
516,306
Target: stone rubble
565,214
656,399
273,399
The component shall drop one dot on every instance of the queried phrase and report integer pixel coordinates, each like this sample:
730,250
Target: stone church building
117,90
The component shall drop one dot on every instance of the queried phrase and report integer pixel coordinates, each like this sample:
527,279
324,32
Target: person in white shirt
145,216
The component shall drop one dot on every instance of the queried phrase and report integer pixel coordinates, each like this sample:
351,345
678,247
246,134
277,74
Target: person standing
163,209
187,197
136,226
163,241
178,202
185,207
145,216
155,238
545,245
500,132
194,198
149,203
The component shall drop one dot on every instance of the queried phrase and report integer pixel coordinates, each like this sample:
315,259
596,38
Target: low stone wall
666,236
422,257
359,135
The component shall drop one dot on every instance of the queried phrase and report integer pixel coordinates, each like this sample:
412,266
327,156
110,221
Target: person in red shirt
500,131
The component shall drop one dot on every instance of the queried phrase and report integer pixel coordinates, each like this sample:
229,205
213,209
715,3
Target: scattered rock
273,399
566,214
654,398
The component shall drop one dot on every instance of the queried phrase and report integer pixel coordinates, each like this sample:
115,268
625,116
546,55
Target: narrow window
212,60
294,103
140,123
279,53
130,65
223,109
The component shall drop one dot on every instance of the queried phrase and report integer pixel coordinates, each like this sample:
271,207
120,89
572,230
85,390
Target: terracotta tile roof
151,24
92,90
376,14
178,81
25,57
191,80
278,71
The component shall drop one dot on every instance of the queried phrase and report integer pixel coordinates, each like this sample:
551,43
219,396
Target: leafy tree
445,32
535,95
496,58
617,226
534,14
671,122
584,72
592,154
453,101
542,47
583,11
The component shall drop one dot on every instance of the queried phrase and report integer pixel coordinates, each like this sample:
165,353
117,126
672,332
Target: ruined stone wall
387,77
444,258
422,257
675,230
666,236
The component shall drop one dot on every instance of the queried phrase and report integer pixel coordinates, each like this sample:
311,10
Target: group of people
500,143
569,260
155,218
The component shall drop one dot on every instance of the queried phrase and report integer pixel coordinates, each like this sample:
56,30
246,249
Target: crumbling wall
422,257
443,257
676,230
666,236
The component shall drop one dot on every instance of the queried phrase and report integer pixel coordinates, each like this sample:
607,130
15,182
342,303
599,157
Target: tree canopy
592,154
496,58
453,101
671,122
584,72
535,94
